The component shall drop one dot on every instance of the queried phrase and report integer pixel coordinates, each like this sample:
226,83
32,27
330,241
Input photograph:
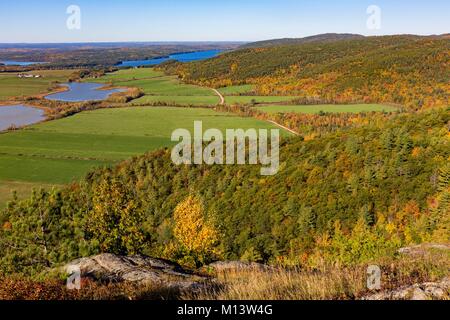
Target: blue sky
213,20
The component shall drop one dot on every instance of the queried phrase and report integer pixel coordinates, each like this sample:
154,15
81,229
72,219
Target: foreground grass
21,289
324,283
315,109
60,151
12,86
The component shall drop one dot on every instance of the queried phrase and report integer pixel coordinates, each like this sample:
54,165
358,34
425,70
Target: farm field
178,100
159,87
244,94
12,86
313,109
128,74
60,151
236,90
169,90
256,99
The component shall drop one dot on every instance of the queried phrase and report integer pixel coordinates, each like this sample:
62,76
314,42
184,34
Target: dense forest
406,70
351,196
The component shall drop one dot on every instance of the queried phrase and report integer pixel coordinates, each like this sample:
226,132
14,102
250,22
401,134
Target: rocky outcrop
137,269
420,291
424,291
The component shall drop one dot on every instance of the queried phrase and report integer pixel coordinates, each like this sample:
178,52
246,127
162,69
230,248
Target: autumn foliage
407,70
194,231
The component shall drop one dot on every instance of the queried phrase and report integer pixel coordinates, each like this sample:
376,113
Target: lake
18,63
181,57
79,92
19,115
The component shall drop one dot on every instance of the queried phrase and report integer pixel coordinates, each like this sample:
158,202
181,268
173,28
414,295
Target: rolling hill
406,70
327,37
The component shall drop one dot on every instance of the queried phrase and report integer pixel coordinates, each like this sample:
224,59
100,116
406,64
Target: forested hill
349,197
407,70
326,37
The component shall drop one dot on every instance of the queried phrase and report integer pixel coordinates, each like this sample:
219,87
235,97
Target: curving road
222,99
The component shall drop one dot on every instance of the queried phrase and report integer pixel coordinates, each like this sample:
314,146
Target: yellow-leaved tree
195,232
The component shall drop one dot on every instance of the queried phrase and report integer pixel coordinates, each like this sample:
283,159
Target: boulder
136,269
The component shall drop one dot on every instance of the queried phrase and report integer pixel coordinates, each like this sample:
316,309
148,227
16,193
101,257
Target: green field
13,86
236,90
169,90
128,74
243,95
178,100
160,88
256,99
60,151
314,109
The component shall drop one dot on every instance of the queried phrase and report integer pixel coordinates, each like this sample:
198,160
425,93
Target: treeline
410,71
349,197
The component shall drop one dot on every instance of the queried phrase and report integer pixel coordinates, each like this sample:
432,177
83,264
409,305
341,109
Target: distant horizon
215,42
100,21
130,42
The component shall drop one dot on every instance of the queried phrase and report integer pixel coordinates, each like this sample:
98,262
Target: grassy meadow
177,100
236,90
244,94
256,99
331,108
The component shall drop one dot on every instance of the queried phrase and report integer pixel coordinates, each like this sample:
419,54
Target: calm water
19,116
82,92
181,57
18,63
